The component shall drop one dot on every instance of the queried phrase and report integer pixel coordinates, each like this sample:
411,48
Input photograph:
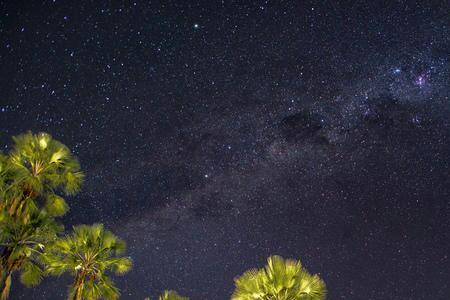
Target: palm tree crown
88,253
171,295
40,167
279,280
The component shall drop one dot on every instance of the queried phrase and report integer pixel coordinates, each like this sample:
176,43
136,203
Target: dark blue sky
214,134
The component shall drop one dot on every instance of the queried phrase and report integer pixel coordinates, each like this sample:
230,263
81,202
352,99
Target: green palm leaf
31,274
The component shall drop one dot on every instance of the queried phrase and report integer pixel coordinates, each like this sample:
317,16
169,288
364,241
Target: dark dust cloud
214,134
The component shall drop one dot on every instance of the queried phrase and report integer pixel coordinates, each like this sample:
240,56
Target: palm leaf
55,205
31,274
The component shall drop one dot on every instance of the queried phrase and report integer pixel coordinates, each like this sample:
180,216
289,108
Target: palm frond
31,274
55,205
251,285
311,287
120,265
107,288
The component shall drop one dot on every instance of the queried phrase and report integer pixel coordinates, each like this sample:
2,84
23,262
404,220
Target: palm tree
88,253
172,295
40,168
279,280
32,177
23,243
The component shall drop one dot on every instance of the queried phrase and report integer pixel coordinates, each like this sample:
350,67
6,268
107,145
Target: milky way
215,134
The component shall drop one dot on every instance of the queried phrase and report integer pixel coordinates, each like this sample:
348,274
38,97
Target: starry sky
216,133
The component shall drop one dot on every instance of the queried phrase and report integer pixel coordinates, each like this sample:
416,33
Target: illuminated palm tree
170,295
40,168
88,254
279,280
32,176
23,243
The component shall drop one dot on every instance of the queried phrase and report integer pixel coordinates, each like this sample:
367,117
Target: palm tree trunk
5,285
78,287
7,266
5,273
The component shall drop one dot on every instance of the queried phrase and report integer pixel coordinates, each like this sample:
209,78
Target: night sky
214,134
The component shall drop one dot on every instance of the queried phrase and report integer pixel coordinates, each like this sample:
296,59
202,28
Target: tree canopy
280,279
88,254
